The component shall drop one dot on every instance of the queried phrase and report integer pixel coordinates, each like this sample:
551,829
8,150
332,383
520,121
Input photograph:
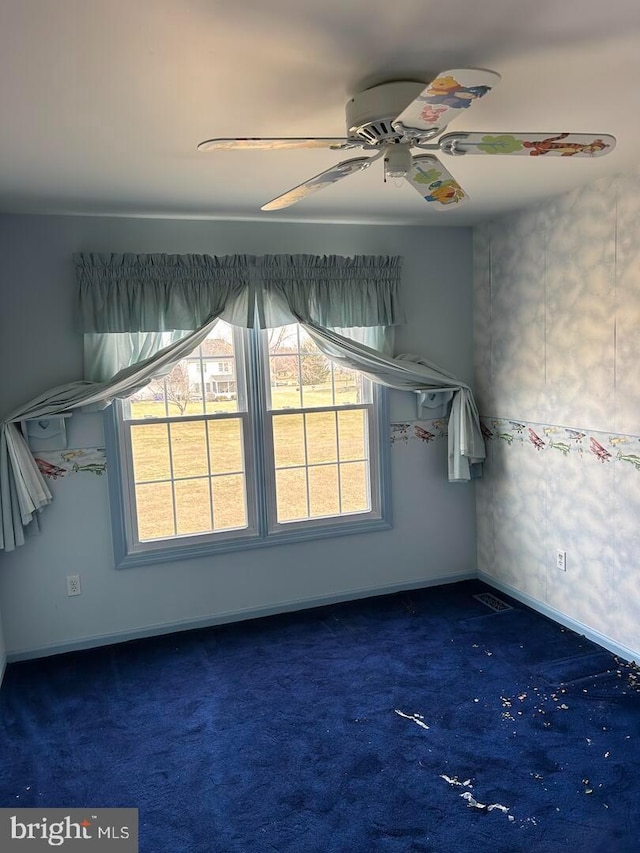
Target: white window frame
373,440
262,527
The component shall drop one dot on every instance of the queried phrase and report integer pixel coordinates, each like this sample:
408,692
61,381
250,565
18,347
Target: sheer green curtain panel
430,382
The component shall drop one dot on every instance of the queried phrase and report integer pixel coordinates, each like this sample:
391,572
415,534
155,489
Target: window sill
145,555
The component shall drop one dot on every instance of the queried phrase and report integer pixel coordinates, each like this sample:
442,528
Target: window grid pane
190,483
156,519
323,467
150,451
188,448
193,506
229,496
292,494
288,440
356,479
323,491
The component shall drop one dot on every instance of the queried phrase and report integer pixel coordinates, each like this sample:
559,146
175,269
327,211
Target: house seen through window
254,435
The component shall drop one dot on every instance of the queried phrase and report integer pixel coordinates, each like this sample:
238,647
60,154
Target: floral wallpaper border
601,446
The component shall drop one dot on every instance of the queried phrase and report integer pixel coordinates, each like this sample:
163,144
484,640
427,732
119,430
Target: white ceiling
102,102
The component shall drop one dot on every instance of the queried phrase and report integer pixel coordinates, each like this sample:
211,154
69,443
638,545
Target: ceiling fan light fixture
397,161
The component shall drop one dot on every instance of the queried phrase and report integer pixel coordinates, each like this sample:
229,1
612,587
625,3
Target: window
286,446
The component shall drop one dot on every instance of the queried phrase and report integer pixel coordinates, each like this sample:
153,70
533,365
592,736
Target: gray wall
3,653
557,327
434,533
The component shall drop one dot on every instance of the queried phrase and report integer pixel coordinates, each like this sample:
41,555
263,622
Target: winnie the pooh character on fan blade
447,92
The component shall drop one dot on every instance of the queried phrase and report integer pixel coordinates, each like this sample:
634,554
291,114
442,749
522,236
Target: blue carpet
414,722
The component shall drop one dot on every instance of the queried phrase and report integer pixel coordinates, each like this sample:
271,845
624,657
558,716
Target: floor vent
491,601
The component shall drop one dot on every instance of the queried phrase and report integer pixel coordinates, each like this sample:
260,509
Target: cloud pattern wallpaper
557,344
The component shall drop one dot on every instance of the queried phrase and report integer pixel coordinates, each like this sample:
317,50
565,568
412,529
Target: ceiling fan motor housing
370,113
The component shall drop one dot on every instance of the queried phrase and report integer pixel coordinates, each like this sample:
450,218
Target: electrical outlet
73,585
561,560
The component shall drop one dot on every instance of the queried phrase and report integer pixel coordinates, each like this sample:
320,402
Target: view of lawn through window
321,458
188,436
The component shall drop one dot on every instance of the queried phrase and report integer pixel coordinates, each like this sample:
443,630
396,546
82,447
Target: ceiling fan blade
278,144
529,144
434,183
442,100
319,182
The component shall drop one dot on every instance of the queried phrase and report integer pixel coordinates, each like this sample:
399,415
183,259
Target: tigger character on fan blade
568,149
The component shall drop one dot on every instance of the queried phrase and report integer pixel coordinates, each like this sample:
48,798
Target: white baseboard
97,640
231,616
584,630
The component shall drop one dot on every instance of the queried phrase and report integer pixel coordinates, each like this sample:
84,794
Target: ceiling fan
392,118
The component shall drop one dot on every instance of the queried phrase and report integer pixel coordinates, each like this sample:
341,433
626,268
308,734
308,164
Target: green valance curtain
140,314
159,293
331,292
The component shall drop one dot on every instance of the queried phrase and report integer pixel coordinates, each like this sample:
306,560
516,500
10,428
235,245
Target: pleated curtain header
332,291
161,292
156,293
